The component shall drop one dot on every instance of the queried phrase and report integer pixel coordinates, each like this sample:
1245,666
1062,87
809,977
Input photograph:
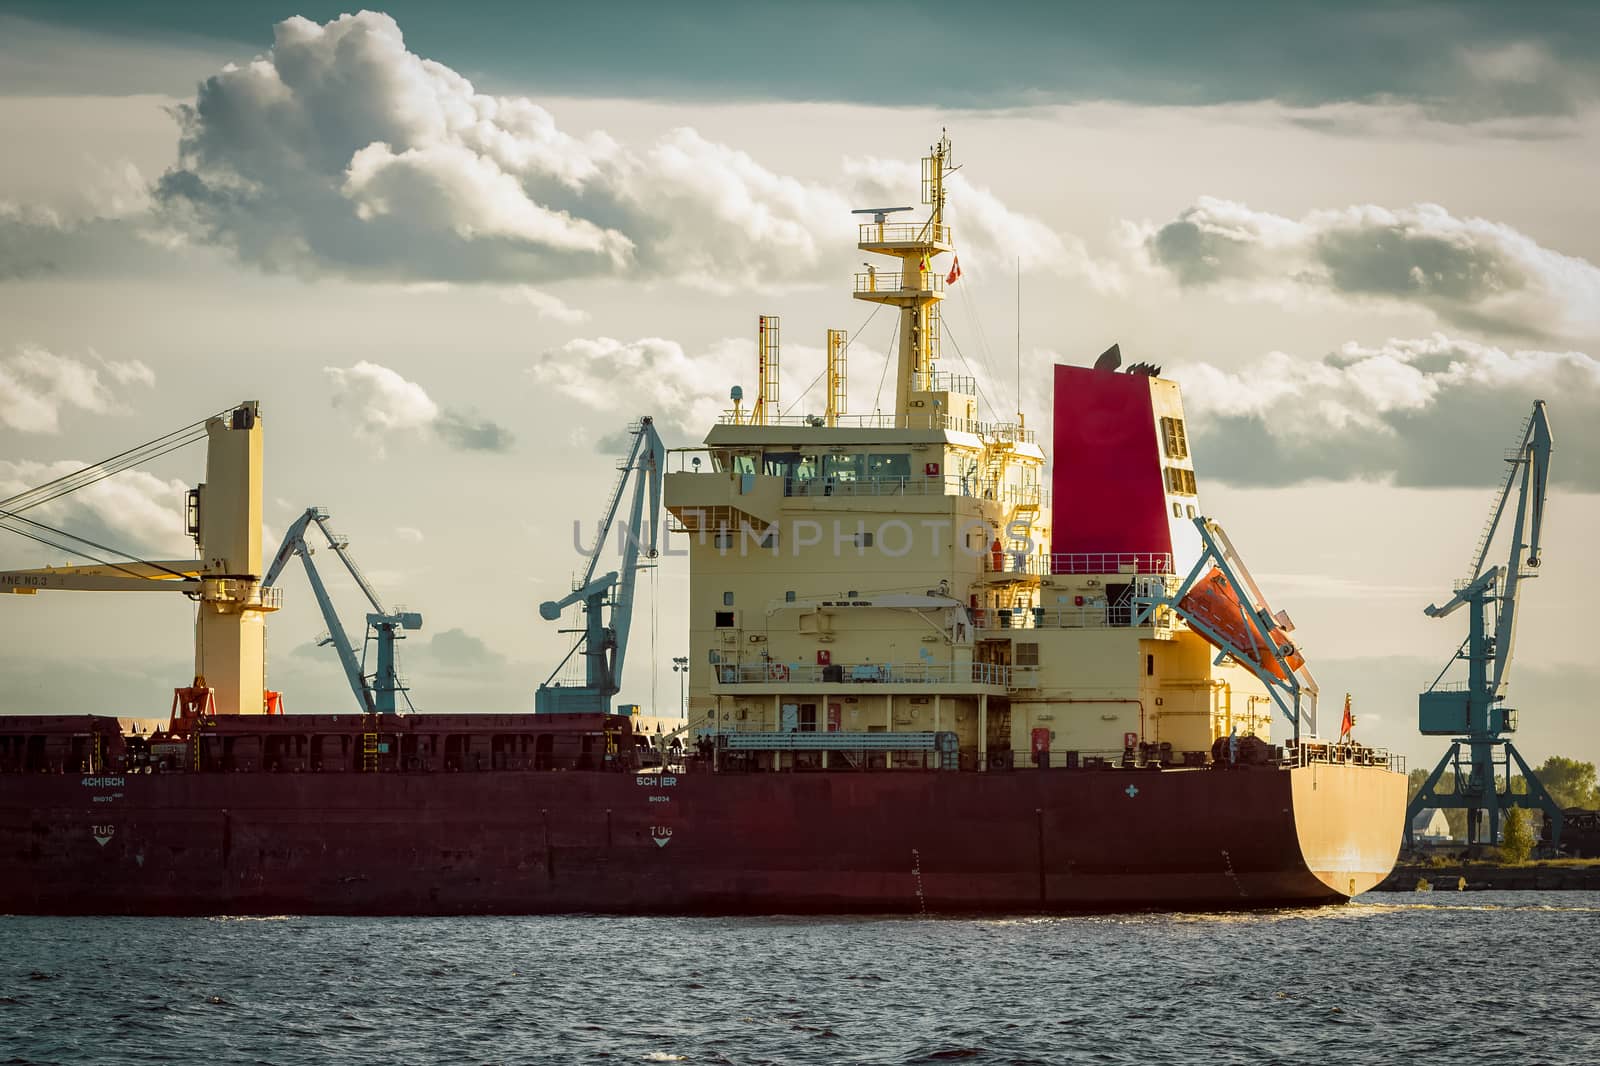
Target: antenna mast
916,288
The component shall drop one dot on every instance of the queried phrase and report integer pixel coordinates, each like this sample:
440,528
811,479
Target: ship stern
1349,820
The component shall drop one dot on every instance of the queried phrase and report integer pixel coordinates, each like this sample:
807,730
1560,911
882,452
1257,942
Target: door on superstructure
993,652
1119,603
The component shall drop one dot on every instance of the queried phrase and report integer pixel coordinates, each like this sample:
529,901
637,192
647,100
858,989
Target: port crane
375,693
604,637
1473,712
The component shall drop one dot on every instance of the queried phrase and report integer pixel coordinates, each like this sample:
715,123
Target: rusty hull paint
828,842
1344,818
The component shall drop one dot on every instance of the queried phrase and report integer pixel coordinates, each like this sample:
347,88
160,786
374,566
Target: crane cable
818,378
12,506
94,472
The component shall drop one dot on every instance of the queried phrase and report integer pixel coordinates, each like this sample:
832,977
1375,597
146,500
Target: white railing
903,233
1111,563
1348,754
911,673
993,431
1085,617
893,281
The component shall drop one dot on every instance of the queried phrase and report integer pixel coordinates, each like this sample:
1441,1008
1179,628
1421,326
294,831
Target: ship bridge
897,571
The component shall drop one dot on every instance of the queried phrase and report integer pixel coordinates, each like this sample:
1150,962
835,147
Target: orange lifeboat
1214,603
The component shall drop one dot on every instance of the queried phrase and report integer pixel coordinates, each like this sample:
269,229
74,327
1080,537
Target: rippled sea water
1508,977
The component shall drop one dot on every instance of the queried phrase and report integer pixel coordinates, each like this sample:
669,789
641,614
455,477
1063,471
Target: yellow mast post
766,371
917,288
838,374
225,581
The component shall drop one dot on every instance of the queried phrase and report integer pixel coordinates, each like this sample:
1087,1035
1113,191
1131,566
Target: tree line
1570,783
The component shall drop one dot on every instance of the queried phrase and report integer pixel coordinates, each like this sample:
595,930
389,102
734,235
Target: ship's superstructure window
1027,654
727,599
843,467
795,469
744,464
723,539
1174,439
1177,510
808,718
1150,666
1180,482
885,466
724,619
788,596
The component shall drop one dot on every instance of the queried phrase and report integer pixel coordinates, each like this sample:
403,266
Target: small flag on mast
955,272
1348,722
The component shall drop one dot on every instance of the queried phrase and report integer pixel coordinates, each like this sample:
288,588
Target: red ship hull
701,843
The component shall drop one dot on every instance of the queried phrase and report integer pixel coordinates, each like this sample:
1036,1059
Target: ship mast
916,288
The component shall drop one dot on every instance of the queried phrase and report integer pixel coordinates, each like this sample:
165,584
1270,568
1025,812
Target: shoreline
1544,876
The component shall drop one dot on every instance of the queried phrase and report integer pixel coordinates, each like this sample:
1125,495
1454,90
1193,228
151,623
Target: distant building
1430,826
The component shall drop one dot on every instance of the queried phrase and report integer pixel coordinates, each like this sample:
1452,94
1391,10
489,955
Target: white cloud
685,392
37,385
133,511
1469,271
1429,411
990,235
409,534
380,399
339,151
548,305
383,403
651,375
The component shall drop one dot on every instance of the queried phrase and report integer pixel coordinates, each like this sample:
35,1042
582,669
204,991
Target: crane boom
1474,714
604,640
375,693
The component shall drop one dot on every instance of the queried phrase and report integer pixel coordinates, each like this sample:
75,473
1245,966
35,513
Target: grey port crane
375,693
604,639
1473,712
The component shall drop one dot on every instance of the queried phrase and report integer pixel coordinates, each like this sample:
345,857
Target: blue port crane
376,692
1473,712
603,640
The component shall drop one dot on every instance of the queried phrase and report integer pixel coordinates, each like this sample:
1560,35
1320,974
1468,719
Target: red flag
1348,722
955,272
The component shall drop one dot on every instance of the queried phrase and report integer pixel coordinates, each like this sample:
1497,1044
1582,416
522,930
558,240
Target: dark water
1479,977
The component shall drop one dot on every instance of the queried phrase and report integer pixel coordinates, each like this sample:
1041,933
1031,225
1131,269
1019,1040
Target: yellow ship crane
223,516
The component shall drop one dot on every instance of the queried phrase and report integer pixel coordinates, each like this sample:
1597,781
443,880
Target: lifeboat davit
1214,603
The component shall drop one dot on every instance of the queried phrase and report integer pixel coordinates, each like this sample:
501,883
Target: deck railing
909,673
1308,752
902,233
892,281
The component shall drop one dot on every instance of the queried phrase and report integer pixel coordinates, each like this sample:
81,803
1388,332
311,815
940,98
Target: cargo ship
929,671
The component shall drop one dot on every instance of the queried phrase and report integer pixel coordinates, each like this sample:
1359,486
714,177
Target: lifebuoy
777,672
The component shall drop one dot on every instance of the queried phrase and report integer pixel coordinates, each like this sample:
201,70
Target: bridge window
843,467
1174,439
892,465
1180,482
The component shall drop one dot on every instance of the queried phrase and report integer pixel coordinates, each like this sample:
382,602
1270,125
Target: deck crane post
224,516
375,694
604,639
1473,712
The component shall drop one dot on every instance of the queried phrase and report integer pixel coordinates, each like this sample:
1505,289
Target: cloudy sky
454,250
